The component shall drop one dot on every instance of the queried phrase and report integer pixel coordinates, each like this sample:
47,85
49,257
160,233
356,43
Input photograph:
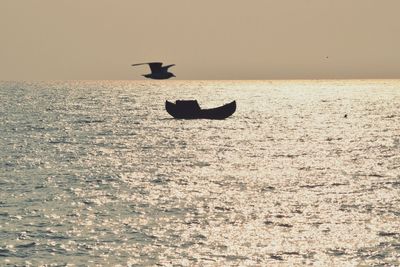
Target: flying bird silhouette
158,71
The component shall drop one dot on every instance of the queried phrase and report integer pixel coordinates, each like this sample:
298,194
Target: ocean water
97,173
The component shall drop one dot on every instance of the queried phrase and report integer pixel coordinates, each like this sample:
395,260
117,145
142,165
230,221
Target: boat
190,109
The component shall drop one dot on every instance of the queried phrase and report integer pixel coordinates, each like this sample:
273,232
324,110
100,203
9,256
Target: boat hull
218,113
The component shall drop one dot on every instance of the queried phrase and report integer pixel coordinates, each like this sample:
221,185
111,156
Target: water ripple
97,173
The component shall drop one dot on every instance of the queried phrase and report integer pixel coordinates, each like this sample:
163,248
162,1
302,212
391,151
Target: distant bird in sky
158,71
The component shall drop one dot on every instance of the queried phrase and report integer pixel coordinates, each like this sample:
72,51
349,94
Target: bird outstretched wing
154,66
168,66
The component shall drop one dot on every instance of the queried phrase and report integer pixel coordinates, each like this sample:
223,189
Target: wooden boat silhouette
190,109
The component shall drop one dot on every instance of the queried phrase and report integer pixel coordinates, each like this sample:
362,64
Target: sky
207,39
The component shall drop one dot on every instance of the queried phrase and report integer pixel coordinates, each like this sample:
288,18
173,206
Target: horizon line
179,80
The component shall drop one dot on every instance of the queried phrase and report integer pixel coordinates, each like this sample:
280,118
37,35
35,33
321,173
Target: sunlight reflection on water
98,173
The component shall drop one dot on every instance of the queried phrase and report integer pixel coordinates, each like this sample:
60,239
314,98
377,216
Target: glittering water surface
97,173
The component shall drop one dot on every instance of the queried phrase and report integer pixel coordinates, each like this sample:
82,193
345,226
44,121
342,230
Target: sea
97,173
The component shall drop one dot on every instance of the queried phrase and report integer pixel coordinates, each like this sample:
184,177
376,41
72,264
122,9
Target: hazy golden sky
207,39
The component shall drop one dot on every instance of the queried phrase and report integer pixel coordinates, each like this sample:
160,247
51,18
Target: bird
158,71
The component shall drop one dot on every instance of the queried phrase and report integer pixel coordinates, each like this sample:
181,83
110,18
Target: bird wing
168,66
154,66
